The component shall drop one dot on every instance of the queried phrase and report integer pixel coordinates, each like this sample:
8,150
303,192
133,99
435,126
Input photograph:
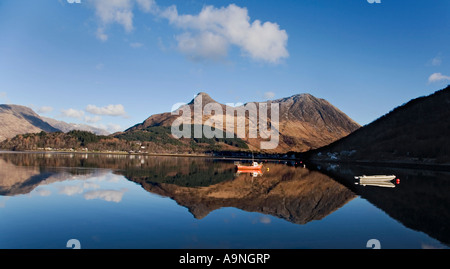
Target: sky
113,63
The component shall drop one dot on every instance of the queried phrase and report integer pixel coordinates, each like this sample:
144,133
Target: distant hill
67,127
16,119
417,131
306,122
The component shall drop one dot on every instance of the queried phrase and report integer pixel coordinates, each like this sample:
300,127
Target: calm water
110,201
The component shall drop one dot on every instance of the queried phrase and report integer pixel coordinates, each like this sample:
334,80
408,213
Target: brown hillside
414,132
306,122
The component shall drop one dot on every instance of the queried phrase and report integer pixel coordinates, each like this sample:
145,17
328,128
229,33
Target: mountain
416,132
16,119
67,127
167,118
305,122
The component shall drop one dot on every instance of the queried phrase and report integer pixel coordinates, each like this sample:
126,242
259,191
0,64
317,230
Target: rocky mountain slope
305,122
15,119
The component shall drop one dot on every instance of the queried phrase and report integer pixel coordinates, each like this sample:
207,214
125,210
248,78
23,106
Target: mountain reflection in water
201,185
298,195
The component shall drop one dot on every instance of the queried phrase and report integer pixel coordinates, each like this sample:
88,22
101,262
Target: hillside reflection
420,202
296,194
201,185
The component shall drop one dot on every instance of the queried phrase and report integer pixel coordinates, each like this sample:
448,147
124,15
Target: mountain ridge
306,122
67,127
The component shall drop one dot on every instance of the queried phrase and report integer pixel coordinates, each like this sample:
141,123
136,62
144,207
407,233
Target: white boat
376,178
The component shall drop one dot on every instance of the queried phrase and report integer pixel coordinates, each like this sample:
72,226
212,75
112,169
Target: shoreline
392,164
184,155
103,153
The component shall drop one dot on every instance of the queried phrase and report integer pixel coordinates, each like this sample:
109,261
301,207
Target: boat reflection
251,173
384,184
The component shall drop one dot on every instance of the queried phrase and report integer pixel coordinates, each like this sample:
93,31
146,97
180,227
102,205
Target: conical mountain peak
205,98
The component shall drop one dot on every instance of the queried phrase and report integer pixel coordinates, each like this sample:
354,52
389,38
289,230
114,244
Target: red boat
254,167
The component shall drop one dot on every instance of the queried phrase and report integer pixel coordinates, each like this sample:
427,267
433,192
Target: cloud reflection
77,189
106,195
91,189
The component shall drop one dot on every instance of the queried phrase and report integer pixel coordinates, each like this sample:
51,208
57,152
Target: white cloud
117,11
109,110
107,195
205,45
72,113
113,11
45,109
208,35
231,25
269,95
147,5
436,77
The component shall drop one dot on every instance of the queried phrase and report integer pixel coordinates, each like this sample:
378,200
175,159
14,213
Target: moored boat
254,166
376,177
377,180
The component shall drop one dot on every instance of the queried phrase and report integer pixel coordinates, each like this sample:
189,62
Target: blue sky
113,63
